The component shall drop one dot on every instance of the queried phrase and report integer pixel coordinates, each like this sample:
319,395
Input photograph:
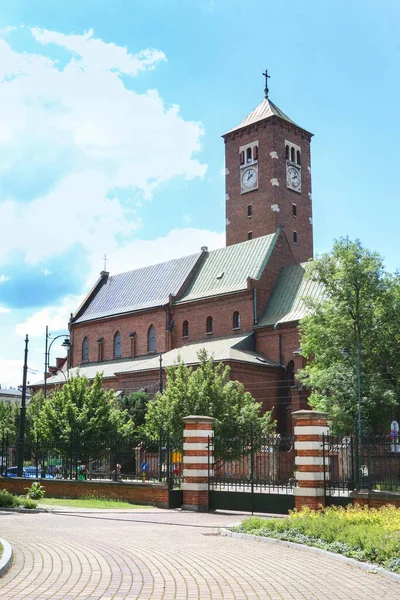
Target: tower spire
266,90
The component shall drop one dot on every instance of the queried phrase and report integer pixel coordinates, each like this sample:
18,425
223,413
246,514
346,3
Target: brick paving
165,555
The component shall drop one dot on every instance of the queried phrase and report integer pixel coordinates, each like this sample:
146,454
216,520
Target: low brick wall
376,499
141,493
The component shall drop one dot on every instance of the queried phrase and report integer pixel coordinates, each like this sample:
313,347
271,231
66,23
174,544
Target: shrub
36,491
7,500
28,503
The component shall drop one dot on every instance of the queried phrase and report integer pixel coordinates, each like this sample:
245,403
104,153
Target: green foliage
85,409
361,306
9,415
36,491
371,535
206,390
28,503
136,404
7,500
33,411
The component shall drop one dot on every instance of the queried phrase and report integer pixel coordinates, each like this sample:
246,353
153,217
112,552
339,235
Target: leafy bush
36,491
7,500
371,535
28,503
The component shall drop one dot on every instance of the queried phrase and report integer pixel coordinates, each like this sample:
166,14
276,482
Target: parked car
13,472
32,473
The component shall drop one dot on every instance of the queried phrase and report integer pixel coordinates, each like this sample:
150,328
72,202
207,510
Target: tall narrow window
185,329
242,157
117,345
295,237
236,320
250,235
132,337
100,349
249,210
85,350
294,210
292,154
255,153
248,155
287,152
209,325
151,339
298,157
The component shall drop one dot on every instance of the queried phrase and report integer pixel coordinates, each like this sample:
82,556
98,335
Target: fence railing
258,463
114,459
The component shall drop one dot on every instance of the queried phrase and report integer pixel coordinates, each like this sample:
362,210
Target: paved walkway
166,555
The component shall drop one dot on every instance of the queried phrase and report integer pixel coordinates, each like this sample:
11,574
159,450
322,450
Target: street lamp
346,354
66,344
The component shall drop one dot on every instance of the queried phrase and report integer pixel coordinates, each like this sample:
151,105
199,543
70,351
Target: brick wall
271,135
141,493
376,499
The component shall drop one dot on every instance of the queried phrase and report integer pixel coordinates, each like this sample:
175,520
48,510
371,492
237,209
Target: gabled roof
226,270
143,288
286,303
236,348
264,110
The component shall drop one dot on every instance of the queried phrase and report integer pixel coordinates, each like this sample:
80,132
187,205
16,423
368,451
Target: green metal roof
264,110
286,303
226,270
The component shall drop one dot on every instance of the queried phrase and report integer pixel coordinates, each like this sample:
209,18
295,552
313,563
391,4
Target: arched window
185,329
242,157
236,320
298,157
292,154
209,325
287,152
151,339
255,153
117,345
85,350
248,155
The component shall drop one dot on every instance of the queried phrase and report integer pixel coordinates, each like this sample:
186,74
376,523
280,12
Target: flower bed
370,535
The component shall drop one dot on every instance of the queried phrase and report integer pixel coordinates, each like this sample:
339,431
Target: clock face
294,178
249,178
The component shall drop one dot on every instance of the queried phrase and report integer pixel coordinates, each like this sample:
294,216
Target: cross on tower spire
266,90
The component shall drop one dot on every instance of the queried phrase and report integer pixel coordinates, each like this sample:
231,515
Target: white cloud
95,142
4,310
11,373
56,317
3,279
46,272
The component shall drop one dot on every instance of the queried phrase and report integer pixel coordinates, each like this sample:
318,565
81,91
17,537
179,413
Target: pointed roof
263,111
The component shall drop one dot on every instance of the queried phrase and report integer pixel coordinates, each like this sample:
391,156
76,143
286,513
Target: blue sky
110,121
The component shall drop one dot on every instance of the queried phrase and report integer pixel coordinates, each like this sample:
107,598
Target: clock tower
268,179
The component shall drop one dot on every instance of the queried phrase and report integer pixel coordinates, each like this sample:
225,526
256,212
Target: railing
254,463
116,459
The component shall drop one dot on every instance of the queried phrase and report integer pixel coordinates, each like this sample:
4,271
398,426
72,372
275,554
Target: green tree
33,410
206,390
9,419
136,405
357,317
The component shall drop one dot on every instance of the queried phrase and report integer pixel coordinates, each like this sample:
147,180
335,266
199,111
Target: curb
369,567
23,510
6,559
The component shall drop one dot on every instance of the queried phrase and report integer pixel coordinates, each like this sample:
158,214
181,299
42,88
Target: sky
111,116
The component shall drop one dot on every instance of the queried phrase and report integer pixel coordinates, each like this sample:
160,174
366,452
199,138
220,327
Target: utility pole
22,416
161,380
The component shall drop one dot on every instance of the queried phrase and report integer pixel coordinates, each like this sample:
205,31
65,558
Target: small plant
36,491
7,500
28,503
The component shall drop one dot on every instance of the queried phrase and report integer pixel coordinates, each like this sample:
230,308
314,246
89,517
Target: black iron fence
253,463
370,463
115,459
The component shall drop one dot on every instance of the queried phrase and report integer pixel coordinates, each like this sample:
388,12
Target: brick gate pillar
309,427
196,461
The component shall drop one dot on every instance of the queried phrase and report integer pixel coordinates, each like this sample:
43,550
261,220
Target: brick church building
242,303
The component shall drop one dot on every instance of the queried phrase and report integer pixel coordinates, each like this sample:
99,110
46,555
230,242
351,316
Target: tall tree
136,405
9,418
206,390
351,339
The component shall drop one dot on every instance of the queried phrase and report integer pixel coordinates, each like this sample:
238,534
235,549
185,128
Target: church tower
268,179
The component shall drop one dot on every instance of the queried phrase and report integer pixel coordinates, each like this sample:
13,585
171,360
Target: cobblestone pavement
166,555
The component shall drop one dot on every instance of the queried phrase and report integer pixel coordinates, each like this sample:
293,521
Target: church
241,303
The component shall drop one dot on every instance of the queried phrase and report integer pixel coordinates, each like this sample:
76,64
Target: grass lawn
369,535
1,550
90,503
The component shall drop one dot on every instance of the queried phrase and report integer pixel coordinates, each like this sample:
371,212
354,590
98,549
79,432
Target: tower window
255,153
287,152
100,349
117,345
209,325
85,350
298,155
185,329
250,235
248,155
294,210
236,320
292,154
151,339
295,237
249,211
242,157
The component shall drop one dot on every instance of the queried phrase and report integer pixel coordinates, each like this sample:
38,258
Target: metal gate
252,473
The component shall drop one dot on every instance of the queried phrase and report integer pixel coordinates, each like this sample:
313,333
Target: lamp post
161,380
21,438
346,353
66,344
